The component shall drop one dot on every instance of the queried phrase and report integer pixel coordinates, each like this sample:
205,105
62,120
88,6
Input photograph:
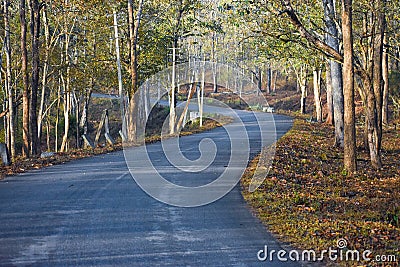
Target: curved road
90,212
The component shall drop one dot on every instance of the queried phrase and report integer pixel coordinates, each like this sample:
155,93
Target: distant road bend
90,212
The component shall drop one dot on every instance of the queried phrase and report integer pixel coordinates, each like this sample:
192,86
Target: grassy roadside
21,165
308,200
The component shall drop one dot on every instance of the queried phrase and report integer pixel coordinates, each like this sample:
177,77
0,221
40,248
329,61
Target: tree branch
320,45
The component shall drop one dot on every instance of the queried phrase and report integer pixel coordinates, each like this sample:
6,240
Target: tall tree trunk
172,115
58,114
44,74
35,32
119,70
201,108
350,160
378,82
172,104
67,93
76,109
373,130
8,88
317,94
332,40
372,78
214,63
67,108
133,39
385,75
329,98
25,79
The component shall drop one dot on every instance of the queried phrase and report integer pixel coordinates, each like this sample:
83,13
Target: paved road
90,212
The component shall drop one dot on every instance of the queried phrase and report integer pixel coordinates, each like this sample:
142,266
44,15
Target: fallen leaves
307,200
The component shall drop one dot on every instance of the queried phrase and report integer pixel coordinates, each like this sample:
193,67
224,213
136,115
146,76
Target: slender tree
335,70
350,163
25,80
385,76
47,47
35,34
317,93
8,81
329,97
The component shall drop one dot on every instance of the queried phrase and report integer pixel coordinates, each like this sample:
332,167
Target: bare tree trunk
329,98
303,88
48,135
67,96
372,79
385,75
214,64
275,77
35,32
172,111
317,94
201,108
269,82
25,79
332,40
119,70
8,88
57,115
372,130
378,84
45,70
172,115
76,108
67,108
259,79
133,39
350,163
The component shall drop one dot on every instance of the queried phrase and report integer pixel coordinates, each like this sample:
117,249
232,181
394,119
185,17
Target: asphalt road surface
90,212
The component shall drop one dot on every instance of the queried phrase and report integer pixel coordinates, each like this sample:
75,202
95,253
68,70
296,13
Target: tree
329,94
350,163
134,109
8,81
369,69
25,79
35,34
385,77
334,71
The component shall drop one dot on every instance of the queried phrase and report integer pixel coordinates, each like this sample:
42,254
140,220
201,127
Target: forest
56,54
329,170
